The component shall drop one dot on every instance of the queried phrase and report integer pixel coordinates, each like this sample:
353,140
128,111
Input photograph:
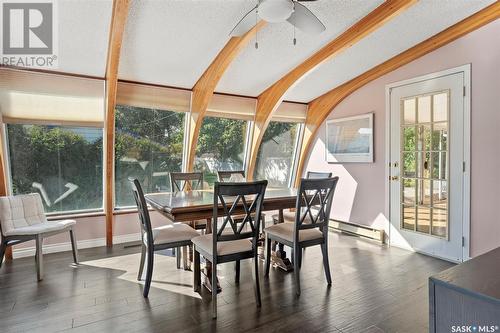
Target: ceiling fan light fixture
275,10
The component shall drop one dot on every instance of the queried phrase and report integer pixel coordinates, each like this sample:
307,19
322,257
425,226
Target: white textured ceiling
254,70
423,20
173,42
83,36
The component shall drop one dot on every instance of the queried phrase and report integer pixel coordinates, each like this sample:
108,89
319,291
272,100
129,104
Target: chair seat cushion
41,228
172,233
223,248
285,231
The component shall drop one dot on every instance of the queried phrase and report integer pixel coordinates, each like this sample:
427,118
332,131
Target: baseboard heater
358,230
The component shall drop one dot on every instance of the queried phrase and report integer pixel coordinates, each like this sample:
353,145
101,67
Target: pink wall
360,194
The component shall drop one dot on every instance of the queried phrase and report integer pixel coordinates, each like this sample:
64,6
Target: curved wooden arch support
118,20
322,106
270,99
203,90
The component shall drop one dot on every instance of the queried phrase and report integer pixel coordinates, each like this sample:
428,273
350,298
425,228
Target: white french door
428,161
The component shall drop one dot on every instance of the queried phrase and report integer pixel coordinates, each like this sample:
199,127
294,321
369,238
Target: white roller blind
290,112
228,106
153,97
50,98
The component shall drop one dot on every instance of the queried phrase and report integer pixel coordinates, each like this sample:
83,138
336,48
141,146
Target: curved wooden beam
270,99
322,106
118,20
203,90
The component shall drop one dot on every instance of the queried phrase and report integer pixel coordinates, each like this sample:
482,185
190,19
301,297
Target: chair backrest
231,176
317,194
237,199
185,181
20,211
318,175
142,210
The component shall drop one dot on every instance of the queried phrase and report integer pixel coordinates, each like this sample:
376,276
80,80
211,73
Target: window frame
185,141
8,173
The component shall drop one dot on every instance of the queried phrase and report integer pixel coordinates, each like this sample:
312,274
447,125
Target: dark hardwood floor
375,289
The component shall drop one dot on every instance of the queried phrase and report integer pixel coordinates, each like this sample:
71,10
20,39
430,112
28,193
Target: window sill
73,215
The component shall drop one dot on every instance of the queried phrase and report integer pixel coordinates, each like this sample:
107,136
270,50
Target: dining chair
169,236
22,218
239,176
185,181
290,216
231,176
231,241
310,227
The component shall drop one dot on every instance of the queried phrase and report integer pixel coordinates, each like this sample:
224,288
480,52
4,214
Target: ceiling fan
275,11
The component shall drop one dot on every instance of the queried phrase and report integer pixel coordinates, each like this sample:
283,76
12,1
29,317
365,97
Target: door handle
394,178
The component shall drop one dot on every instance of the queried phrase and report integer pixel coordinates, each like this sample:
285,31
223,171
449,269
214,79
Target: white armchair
22,218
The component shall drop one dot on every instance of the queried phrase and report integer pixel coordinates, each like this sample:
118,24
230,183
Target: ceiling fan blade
245,24
302,18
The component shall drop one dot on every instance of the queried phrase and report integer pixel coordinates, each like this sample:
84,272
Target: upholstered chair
22,218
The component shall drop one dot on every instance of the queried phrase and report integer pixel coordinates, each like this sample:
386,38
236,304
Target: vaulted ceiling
173,42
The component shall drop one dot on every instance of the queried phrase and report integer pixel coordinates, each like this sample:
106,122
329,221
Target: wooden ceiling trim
204,88
118,21
322,106
269,100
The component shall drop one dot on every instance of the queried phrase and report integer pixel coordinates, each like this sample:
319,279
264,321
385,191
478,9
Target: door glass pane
424,167
409,165
409,112
440,136
424,109
440,194
409,217
409,138
423,219
440,107
409,191
439,163
424,192
439,222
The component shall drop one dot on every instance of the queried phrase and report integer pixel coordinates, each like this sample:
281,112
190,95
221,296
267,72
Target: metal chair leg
268,255
197,270
39,257
73,245
326,264
149,272
141,264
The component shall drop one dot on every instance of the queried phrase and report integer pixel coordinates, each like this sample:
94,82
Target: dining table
188,206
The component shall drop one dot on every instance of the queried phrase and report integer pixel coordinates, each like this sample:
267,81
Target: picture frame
350,139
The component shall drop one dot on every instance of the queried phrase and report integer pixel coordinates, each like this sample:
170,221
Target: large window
148,146
276,153
63,164
221,146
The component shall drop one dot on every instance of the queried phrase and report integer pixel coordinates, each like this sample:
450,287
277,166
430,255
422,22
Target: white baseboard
82,244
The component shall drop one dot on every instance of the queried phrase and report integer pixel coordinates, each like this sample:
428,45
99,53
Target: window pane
63,164
424,109
148,146
221,146
440,107
275,156
409,111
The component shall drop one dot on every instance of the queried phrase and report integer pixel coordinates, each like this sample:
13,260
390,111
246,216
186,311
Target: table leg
207,283
279,258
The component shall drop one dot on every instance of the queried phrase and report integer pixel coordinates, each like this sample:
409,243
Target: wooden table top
180,206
